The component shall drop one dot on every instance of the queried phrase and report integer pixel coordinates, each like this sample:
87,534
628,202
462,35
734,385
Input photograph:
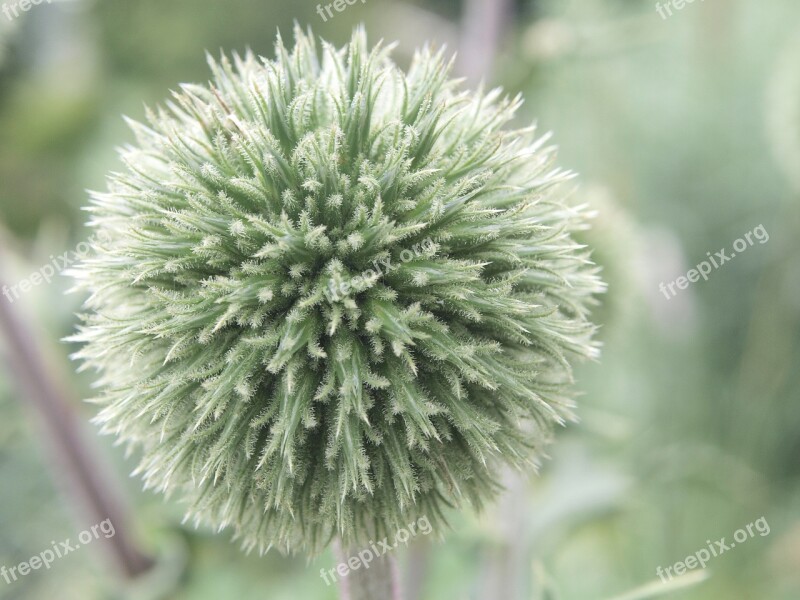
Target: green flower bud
331,297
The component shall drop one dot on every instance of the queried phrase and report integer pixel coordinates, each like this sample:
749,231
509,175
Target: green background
686,134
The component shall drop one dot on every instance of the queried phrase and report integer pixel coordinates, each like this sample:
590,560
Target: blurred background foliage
686,133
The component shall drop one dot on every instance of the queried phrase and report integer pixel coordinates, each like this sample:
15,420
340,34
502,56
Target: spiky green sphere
334,297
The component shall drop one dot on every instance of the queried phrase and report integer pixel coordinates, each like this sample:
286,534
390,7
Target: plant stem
482,32
381,580
83,476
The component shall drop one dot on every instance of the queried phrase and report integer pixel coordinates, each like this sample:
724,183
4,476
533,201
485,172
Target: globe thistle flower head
334,296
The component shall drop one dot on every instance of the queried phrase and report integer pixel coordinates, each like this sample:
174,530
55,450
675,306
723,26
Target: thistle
333,297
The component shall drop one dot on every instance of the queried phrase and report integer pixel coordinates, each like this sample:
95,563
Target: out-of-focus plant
783,112
334,296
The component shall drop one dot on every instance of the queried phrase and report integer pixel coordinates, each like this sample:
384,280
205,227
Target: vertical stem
483,25
82,474
506,567
418,562
378,582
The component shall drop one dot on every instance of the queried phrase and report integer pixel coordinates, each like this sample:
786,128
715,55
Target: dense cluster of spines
294,414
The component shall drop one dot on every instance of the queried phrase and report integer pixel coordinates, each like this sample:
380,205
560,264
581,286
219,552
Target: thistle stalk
82,475
380,578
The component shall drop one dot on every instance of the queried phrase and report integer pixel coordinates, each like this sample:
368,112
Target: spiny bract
333,297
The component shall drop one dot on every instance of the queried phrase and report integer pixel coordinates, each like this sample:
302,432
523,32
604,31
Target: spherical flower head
334,297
